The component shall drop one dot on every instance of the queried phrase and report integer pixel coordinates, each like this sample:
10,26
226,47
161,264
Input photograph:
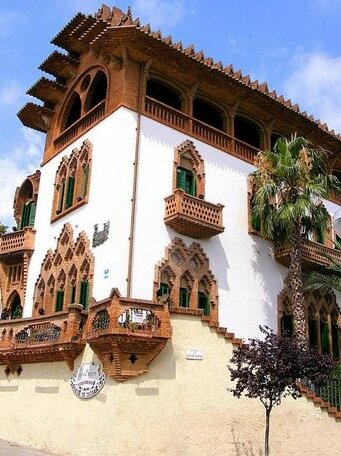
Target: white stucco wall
179,408
249,279
110,192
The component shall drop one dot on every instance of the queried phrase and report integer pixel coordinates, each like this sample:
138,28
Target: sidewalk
13,449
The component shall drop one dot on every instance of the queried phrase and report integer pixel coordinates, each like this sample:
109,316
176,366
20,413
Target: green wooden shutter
181,178
61,198
69,192
24,216
85,180
84,294
31,214
183,297
335,342
203,303
163,290
324,331
59,301
191,183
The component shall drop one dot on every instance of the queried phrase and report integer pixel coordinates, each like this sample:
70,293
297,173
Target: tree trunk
267,432
295,287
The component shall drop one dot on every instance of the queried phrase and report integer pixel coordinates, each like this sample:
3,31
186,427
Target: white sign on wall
88,381
194,353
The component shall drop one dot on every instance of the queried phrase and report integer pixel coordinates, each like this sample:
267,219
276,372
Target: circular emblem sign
88,381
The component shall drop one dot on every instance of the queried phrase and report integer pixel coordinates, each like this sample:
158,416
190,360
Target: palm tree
288,188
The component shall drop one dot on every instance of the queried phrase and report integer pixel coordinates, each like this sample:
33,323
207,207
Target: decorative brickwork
72,181
127,334
42,339
187,157
66,274
185,281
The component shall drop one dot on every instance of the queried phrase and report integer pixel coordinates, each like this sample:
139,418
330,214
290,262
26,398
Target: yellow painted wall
179,408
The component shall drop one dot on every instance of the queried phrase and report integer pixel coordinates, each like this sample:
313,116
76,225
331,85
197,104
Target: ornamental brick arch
65,278
187,159
191,286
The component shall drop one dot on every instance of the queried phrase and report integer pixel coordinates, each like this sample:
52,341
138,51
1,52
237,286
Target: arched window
164,93
208,113
72,180
16,307
73,275
25,201
73,110
97,91
189,173
248,131
186,277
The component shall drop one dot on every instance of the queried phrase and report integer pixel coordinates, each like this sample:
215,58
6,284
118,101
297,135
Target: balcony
80,126
313,254
197,129
49,338
127,334
193,216
17,242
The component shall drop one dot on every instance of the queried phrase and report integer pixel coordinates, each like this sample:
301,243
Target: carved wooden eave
78,33
60,65
35,116
126,351
49,338
47,90
314,255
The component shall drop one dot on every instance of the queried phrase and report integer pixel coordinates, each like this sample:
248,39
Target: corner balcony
17,242
127,334
313,254
193,216
56,337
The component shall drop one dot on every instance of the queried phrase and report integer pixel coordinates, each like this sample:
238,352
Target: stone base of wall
179,408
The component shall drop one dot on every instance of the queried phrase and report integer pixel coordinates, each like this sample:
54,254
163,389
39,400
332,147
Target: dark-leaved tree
271,368
3,228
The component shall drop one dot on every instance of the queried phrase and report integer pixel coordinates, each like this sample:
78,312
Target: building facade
134,239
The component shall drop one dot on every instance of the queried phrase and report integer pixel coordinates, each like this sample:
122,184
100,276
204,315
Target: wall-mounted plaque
88,381
100,236
194,353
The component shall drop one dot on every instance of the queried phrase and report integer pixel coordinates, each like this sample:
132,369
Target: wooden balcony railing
313,254
18,241
80,126
193,216
127,334
56,337
193,127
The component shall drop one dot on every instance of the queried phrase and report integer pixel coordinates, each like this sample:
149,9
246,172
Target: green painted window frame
204,303
70,192
59,301
84,294
183,297
163,289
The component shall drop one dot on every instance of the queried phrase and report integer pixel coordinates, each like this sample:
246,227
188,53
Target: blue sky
294,45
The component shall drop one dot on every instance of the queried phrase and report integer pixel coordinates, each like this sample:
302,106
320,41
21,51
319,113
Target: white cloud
159,13
315,84
10,93
15,166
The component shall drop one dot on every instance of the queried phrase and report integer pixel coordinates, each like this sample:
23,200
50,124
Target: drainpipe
134,195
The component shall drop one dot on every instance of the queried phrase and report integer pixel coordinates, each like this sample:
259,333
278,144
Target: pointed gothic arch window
15,306
189,174
72,181
187,279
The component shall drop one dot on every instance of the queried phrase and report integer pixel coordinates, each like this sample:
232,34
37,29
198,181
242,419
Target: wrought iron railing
330,392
